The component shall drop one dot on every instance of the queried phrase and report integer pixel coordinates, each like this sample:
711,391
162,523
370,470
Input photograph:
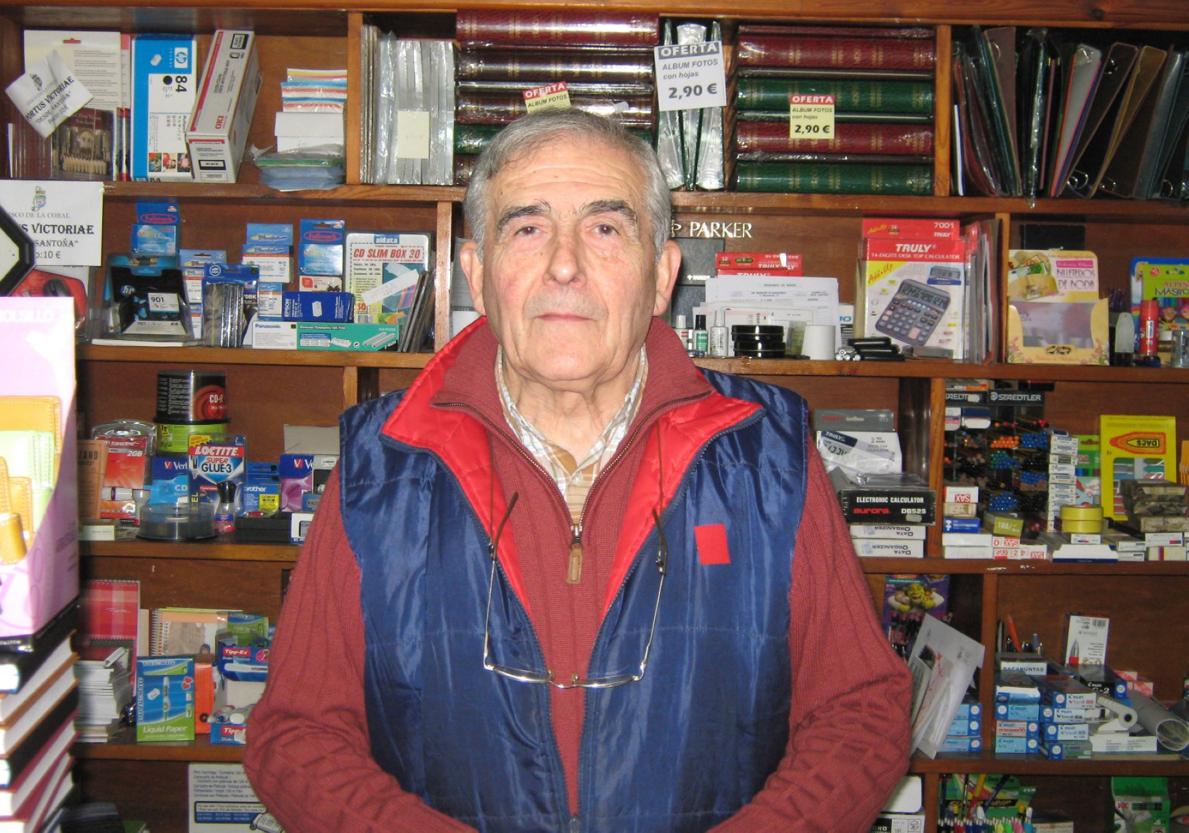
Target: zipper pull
574,565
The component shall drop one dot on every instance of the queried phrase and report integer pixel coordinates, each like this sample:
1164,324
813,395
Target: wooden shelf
707,202
1156,14
960,566
245,356
1170,764
125,748
190,550
910,369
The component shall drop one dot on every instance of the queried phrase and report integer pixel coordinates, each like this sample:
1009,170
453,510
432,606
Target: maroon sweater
308,752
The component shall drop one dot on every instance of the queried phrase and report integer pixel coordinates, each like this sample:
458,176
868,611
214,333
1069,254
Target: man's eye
606,230
525,231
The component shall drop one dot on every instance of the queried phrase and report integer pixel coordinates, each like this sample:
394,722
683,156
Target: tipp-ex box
226,99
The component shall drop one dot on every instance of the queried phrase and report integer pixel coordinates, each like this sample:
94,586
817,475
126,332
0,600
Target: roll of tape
1086,519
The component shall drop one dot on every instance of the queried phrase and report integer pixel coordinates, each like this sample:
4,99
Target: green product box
1141,804
315,335
164,698
1008,526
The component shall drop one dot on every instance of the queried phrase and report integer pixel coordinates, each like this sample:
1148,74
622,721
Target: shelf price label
811,116
554,96
690,76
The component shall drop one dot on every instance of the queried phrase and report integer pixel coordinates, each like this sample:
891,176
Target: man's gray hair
530,132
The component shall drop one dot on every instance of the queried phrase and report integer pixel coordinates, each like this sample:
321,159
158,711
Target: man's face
568,277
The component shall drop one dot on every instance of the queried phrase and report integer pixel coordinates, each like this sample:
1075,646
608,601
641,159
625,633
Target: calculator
913,313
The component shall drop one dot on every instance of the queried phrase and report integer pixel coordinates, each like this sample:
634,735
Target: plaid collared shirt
574,478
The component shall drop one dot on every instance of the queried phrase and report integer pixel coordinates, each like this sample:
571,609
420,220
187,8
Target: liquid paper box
165,698
163,94
226,100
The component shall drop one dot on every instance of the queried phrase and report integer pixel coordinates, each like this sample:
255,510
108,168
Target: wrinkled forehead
565,172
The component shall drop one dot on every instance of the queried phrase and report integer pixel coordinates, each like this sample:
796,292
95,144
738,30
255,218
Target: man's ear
472,267
667,266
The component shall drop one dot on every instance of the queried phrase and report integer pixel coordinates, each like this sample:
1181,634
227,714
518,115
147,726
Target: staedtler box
163,95
226,100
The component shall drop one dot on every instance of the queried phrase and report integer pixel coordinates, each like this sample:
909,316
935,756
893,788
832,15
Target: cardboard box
1054,314
163,95
222,115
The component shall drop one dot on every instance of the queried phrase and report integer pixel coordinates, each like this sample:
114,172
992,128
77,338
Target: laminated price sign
690,76
811,116
549,97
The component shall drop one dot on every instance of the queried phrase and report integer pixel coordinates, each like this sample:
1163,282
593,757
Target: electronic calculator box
913,291
163,94
222,115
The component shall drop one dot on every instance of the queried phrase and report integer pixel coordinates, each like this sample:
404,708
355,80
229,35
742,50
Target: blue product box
965,728
261,489
1052,714
169,482
958,743
1064,731
154,240
1017,711
1017,729
1065,692
165,698
321,245
233,272
1016,746
155,230
1102,679
969,710
1052,750
229,734
164,85
318,306
961,525
269,234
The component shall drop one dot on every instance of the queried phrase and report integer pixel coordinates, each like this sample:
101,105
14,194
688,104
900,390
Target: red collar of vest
453,402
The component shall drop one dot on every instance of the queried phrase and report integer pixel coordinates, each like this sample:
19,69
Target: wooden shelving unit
1148,602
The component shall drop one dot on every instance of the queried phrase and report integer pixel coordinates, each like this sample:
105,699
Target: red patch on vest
712,544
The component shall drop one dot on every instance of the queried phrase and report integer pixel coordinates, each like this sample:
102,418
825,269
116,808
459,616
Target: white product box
274,335
382,270
226,100
300,130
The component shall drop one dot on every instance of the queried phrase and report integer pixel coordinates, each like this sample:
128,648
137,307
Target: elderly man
567,581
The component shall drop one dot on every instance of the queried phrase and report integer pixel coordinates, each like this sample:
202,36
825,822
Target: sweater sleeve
308,756
848,725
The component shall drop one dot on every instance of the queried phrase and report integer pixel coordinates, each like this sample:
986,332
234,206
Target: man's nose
563,260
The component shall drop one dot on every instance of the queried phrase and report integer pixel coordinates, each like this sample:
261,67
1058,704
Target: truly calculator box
165,688
163,94
222,115
912,284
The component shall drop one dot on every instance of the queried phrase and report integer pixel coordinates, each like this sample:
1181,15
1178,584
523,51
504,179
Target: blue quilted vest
677,752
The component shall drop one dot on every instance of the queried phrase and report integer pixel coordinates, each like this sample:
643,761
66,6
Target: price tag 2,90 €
811,116
690,76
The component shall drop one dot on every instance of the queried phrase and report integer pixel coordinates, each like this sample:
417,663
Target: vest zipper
575,825
574,565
